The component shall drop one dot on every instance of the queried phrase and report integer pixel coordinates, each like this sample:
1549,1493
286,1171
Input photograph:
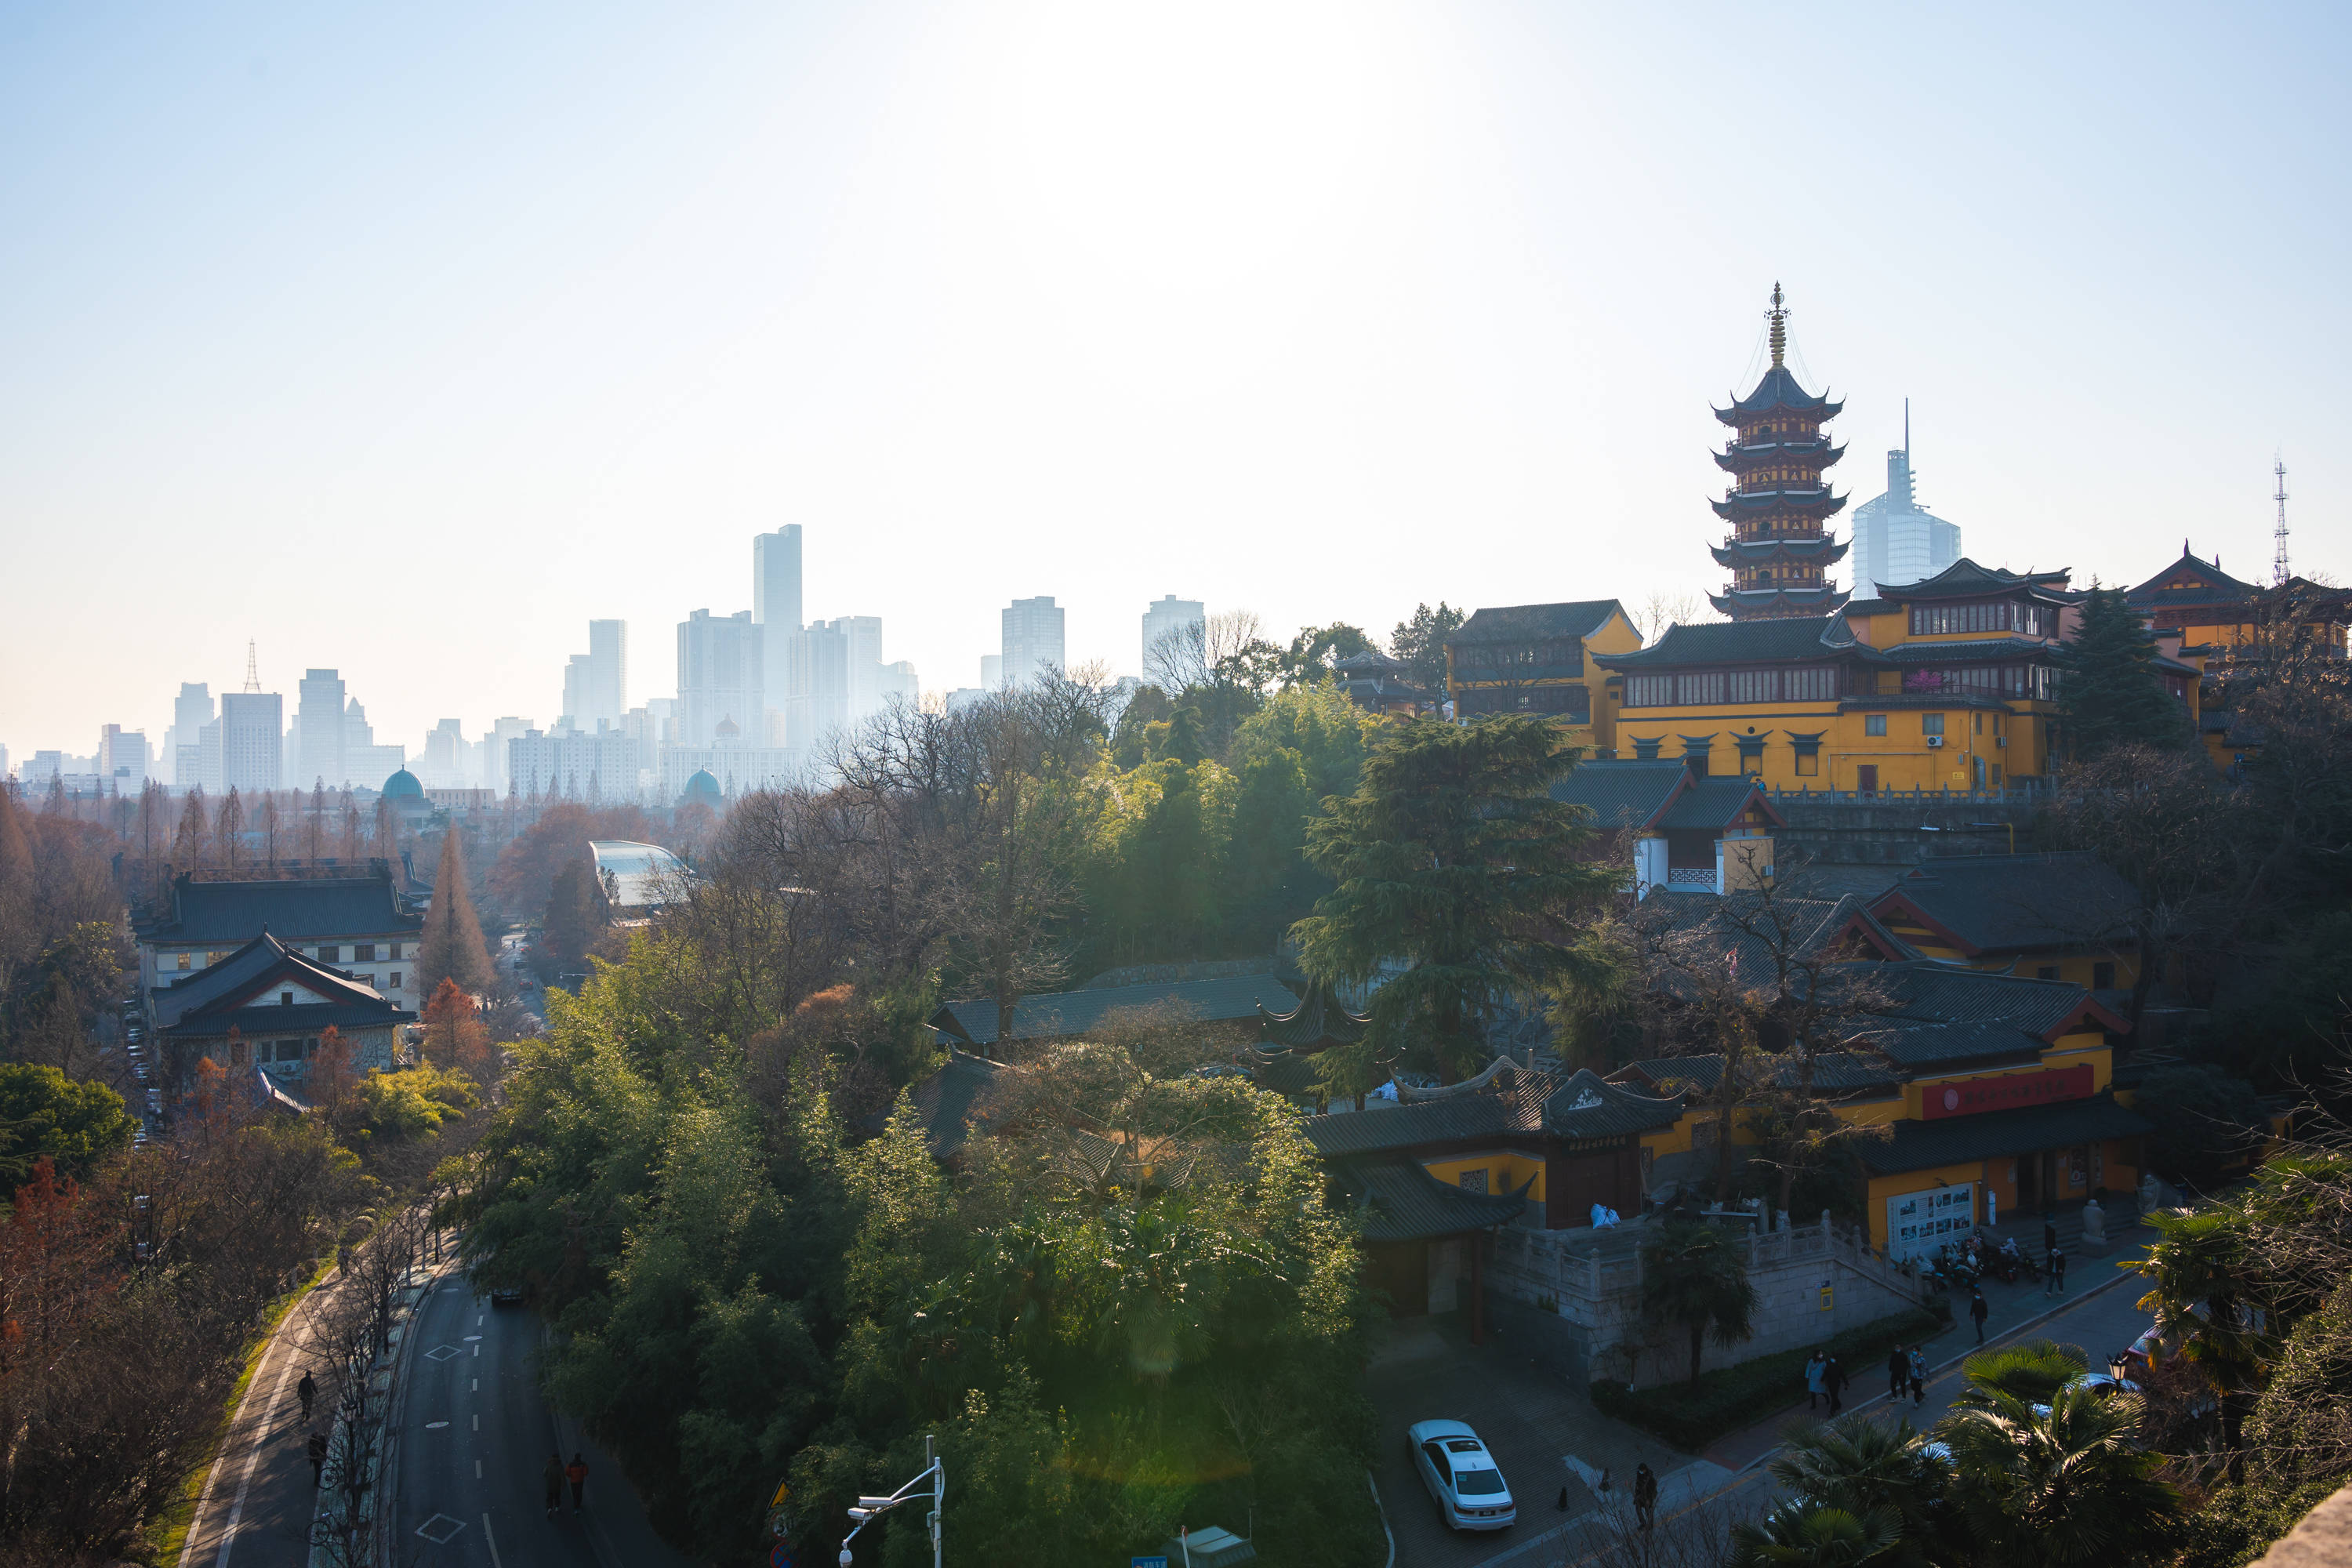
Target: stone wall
1591,1282
1886,829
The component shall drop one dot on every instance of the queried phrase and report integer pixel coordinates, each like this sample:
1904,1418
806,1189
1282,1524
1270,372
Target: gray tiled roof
1834,1072
1999,903
1517,623
1997,1134
316,908
1710,802
1061,1014
1779,389
1968,648
1516,1101
209,1004
1621,792
2214,587
1963,579
1318,1020
1785,639
952,1103
1399,1201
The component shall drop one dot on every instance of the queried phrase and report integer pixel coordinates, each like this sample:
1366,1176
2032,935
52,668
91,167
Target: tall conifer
2112,692
453,948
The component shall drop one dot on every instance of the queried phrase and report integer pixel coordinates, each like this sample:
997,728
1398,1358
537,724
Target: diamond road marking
442,1352
440,1530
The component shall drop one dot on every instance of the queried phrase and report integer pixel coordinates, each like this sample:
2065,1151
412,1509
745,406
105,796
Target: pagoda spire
1778,549
1778,316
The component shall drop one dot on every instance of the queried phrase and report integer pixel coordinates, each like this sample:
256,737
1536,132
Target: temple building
1779,550
1540,659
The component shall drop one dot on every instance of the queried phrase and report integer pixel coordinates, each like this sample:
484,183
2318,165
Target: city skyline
995,306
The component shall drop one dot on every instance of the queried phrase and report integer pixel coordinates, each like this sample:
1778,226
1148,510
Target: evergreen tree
1695,1279
2113,693
230,829
453,947
1451,857
1420,644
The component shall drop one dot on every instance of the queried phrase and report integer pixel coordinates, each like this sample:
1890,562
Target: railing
1587,1273
1690,877
2027,793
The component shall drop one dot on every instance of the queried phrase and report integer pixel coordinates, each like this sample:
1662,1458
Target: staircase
2122,1211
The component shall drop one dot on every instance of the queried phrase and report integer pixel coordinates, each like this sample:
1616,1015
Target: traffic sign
1147,1562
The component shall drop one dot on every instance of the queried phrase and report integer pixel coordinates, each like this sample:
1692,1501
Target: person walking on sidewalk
2057,1272
1818,1365
552,1477
1978,1311
1833,1381
1898,1373
307,1391
317,1448
1645,1496
576,1472
1918,1374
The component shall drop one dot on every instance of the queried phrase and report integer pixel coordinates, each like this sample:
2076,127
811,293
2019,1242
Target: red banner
1970,1096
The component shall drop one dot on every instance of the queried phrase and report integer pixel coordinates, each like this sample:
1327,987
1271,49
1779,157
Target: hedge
1735,1396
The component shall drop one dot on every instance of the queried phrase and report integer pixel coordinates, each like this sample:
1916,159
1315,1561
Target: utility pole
2278,557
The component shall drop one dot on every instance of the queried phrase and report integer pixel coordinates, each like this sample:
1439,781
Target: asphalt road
475,1434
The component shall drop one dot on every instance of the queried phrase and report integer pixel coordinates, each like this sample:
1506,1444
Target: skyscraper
992,671
1894,540
320,711
864,666
191,711
1165,616
122,758
720,675
1032,640
252,738
822,669
776,606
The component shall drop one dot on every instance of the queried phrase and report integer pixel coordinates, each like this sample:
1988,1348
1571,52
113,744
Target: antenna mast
2278,558
252,680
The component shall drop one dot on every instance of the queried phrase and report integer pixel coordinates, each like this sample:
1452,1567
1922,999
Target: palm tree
1692,1275
1861,1467
2030,1372
2057,1486
2202,1267
1811,1534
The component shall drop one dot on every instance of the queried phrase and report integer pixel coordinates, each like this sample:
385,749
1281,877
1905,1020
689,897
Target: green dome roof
402,785
702,786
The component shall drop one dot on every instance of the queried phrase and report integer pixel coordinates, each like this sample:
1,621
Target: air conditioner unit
1935,742
2000,740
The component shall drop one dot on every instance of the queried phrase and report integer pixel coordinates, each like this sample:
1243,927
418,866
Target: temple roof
1812,449
1782,603
1786,640
1318,1020
231,994
1521,623
1999,1134
1810,499
1507,1100
2008,903
1779,389
1397,1200
1963,579
1659,795
2191,581
1738,553
304,908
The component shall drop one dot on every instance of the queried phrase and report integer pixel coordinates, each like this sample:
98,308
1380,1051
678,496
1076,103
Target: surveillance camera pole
869,1508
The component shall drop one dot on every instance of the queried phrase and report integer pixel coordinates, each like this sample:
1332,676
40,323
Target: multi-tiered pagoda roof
1779,550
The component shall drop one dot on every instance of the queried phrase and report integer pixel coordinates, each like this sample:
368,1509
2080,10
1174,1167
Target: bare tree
1665,610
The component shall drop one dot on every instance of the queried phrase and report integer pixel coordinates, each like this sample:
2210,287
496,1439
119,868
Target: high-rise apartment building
124,762
1894,540
444,763
494,751
191,711
252,731
863,674
1032,640
596,683
821,669
776,608
320,748
1163,617
720,675
992,671
366,764
898,685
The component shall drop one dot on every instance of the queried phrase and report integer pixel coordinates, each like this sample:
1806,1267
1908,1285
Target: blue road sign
1147,1562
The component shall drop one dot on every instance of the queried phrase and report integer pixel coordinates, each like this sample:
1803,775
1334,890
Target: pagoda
1779,506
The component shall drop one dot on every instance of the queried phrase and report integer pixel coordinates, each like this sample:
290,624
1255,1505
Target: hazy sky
406,338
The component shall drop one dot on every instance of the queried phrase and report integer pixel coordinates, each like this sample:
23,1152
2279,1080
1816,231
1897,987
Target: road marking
478,1353
478,1423
478,1470
471,1338
252,1457
434,1425
478,1319
491,1538
444,1536
477,1388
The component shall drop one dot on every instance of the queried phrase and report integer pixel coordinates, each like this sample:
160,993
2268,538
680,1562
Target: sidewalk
2013,1308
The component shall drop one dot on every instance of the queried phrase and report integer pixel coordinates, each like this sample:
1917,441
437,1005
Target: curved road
473,1436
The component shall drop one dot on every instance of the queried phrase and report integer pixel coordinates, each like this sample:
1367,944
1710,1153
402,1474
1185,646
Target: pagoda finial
1778,316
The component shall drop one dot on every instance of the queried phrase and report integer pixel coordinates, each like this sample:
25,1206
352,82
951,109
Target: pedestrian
553,1478
1978,1311
576,1472
1645,1496
1814,1370
2057,1271
317,1448
1833,1381
1898,1373
1563,1500
307,1391
1919,1376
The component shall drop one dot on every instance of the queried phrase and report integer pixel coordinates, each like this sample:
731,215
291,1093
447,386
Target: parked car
1461,1475
506,1295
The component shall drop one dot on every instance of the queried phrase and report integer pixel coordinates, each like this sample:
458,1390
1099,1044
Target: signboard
1147,1562
1972,1096
1919,1223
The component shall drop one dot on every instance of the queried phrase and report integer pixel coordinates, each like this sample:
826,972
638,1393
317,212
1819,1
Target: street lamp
870,1508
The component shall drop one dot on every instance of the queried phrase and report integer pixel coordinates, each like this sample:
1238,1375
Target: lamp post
869,1508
